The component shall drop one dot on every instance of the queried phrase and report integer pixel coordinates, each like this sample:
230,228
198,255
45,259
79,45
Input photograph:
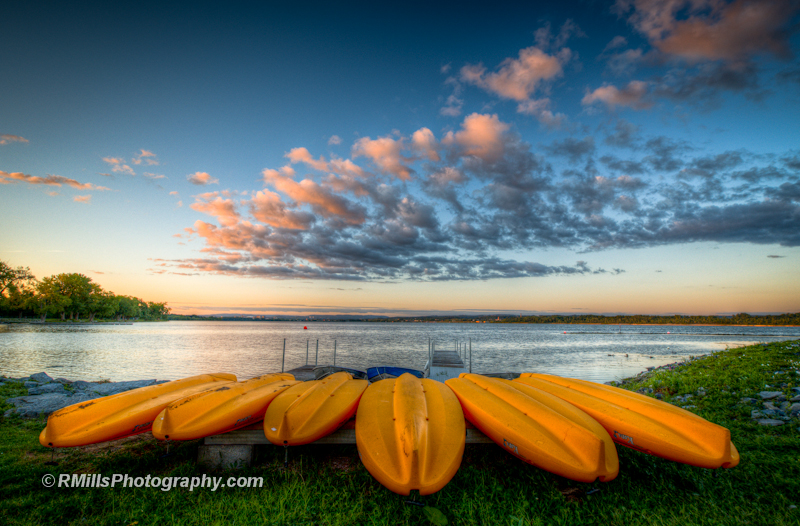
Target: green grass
328,484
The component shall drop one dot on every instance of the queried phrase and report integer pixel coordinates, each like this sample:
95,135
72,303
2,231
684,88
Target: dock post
470,355
334,353
306,352
283,356
316,356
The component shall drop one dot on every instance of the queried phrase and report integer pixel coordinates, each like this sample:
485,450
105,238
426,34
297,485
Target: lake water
171,350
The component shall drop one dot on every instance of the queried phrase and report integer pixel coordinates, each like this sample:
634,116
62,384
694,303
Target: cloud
118,165
82,199
634,96
146,157
424,144
151,175
771,256
50,180
224,210
517,79
201,179
334,140
711,30
572,148
322,200
7,139
173,193
480,136
385,153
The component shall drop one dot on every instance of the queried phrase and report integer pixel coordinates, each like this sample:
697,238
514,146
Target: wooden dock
446,365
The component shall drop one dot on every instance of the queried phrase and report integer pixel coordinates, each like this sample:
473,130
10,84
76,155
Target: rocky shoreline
46,394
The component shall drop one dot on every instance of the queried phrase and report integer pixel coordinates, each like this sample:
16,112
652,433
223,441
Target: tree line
69,296
643,319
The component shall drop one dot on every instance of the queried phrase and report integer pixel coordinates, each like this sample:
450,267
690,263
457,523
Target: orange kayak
220,409
410,433
537,427
122,414
643,423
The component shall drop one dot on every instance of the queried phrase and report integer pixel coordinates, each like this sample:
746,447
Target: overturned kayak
387,371
123,414
537,427
410,434
643,423
323,371
308,411
220,409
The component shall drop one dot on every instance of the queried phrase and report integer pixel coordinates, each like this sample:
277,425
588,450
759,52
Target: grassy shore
328,485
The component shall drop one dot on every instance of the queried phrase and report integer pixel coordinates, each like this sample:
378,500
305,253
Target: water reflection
177,349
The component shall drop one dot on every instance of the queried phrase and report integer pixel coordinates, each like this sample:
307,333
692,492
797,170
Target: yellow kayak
537,427
410,434
220,409
311,410
643,423
121,415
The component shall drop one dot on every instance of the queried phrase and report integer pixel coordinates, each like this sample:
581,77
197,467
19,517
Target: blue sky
630,156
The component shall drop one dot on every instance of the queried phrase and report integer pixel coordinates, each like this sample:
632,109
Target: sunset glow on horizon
635,156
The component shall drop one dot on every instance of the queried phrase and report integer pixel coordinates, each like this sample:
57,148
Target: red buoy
304,327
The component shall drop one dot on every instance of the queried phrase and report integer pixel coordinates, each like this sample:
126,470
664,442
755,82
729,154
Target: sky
637,156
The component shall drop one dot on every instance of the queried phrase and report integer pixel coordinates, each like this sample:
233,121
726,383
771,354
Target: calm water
172,350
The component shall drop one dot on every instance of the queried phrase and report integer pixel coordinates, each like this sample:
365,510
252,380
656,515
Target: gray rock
793,409
769,395
31,384
769,405
53,387
781,398
63,381
688,407
756,414
114,387
784,406
42,378
80,385
796,390
795,399
770,422
659,396
701,391
33,406
751,401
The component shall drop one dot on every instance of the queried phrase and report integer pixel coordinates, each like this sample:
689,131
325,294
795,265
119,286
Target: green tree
99,302
158,310
49,298
127,307
10,276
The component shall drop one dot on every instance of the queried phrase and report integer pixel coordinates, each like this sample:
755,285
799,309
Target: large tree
10,276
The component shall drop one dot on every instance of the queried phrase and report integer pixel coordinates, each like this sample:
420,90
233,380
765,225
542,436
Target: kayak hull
308,411
123,414
538,428
220,410
410,434
639,422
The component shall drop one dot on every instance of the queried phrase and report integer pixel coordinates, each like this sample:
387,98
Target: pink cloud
335,139
201,179
82,199
267,207
480,136
6,138
518,78
424,143
384,152
118,165
634,95
222,209
173,193
321,199
336,165
50,180
713,30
